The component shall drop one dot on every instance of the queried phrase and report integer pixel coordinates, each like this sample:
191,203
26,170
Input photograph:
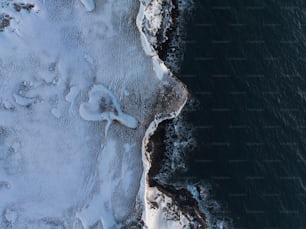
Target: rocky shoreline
181,197
170,43
163,45
156,147
161,37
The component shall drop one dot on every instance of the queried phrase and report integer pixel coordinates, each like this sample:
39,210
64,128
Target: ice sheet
62,165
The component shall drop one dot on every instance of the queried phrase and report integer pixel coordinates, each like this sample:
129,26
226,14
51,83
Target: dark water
246,64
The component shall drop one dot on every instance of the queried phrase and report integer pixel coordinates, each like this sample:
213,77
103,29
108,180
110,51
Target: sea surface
245,65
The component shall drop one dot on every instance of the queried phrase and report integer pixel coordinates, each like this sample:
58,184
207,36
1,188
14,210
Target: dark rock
23,6
4,21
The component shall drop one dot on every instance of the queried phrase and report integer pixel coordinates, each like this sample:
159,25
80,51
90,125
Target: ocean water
245,64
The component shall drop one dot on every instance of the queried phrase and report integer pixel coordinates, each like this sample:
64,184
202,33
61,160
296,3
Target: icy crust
88,4
163,213
103,105
77,93
157,20
159,67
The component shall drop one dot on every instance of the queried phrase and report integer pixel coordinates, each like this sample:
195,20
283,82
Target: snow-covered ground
77,94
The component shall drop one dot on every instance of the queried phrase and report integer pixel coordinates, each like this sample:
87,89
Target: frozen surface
88,4
77,93
163,213
103,105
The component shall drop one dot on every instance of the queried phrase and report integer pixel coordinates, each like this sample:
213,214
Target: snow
23,101
163,213
103,105
158,214
70,134
10,216
88,4
158,66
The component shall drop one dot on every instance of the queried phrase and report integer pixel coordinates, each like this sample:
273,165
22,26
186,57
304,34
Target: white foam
214,216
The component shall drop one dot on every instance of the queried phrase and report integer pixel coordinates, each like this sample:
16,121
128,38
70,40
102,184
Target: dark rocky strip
181,197
156,147
162,47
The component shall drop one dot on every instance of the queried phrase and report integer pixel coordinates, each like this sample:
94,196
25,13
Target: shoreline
181,197
153,147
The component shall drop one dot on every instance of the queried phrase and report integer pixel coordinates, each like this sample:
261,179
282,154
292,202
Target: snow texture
88,4
103,105
163,213
77,93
